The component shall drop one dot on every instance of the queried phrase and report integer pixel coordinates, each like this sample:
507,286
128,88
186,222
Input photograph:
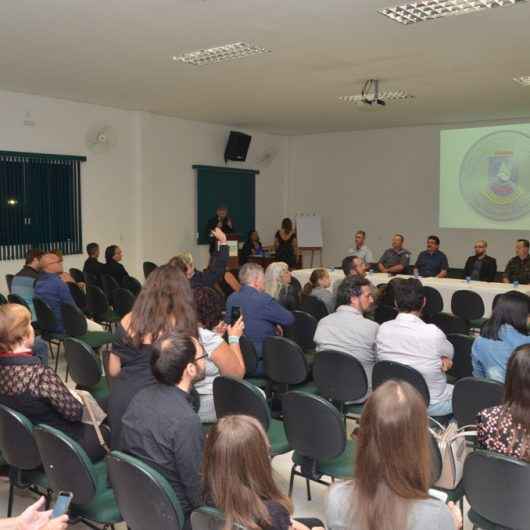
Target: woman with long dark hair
252,247
285,243
506,428
500,335
393,470
165,304
113,267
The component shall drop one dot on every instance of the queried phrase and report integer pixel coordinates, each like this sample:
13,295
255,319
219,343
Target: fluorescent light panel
219,54
523,80
385,95
412,12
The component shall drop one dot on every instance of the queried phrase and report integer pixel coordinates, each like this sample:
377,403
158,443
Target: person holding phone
34,518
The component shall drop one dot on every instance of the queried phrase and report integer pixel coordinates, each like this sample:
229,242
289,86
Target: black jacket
215,271
487,271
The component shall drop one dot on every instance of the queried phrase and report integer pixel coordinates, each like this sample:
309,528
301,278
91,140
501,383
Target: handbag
452,445
93,414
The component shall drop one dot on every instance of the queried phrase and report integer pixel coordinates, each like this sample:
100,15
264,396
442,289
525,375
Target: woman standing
285,244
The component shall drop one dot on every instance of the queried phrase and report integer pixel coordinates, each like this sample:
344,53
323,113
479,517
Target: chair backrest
236,396
123,301
17,444
109,286
65,463
78,295
303,330
473,394
3,299
84,366
132,284
497,488
314,306
387,370
434,303
91,279
462,366
149,267
284,361
17,299
134,482
45,318
77,275
74,321
314,427
467,304
450,324
339,376
383,313
249,353
97,301
9,280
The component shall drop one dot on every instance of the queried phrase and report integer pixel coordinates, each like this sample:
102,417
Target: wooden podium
233,251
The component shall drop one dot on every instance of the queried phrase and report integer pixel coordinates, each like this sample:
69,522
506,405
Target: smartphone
62,503
235,314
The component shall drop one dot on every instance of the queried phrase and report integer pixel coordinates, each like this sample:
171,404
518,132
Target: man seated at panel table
395,260
432,262
360,249
481,267
518,268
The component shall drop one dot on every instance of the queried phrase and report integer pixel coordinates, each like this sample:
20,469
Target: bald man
51,288
481,266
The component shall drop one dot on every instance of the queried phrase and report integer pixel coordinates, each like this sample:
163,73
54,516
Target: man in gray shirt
347,329
395,260
360,249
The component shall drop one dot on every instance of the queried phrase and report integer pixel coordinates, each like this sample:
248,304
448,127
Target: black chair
131,284
21,454
450,324
123,301
384,313
497,489
98,306
68,468
109,286
77,275
473,394
250,357
302,331
462,366
149,267
9,281
134,482
455,273
313,306
315,430
3,299
16,299
79,296
47,324
85,369
469,306
434,303
92,279
237,396
340,378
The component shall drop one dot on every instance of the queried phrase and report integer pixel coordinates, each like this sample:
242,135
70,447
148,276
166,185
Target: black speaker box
237,146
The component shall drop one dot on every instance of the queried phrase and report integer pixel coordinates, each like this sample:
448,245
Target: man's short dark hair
171,354
91,248
350,287
32,254
525,242
408,293
347,265
401,236
436,239
362,232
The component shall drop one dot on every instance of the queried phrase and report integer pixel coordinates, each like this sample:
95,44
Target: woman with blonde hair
393,471
280,284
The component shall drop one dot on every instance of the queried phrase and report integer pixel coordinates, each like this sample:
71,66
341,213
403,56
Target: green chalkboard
235,188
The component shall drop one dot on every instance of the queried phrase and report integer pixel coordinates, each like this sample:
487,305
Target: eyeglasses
203,356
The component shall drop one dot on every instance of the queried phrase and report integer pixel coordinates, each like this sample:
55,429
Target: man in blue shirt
262,313
432,262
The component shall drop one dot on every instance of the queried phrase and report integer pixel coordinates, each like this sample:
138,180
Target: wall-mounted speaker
237,146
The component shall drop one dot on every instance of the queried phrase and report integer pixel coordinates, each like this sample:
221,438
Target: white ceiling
118,53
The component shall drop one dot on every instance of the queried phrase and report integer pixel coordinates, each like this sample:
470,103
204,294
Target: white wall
383,181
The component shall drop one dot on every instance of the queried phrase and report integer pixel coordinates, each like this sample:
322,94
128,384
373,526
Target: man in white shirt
347,329
409,340
360,249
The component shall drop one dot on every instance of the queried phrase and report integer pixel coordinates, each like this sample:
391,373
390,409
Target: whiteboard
309,230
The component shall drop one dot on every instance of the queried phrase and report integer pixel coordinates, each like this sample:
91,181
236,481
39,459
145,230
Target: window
40,203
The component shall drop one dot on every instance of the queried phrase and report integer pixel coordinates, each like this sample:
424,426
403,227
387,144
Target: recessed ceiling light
523,80
228,52
412,12
385,95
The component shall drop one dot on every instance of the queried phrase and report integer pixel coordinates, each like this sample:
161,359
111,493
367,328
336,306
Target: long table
445,286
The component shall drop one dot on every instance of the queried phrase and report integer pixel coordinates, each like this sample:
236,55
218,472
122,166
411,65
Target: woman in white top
318,286
393,470
223,358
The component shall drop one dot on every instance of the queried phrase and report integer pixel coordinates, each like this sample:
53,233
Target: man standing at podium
221,220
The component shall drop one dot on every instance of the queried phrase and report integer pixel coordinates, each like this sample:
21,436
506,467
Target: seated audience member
432,262
347,329
360,249
395,260
318,286
216,268
504,331
53,290
281,285
252,247
409,340
165,304
393,470
351,266
222,358
506,428
481,267
34,518
285,243
518,268
247,495
160,426
23,283
113,267
31,388
262,313
92,265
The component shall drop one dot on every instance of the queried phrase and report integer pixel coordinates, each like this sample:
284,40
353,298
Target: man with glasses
481,266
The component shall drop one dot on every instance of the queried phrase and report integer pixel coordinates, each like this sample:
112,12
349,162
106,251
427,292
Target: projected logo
495,175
